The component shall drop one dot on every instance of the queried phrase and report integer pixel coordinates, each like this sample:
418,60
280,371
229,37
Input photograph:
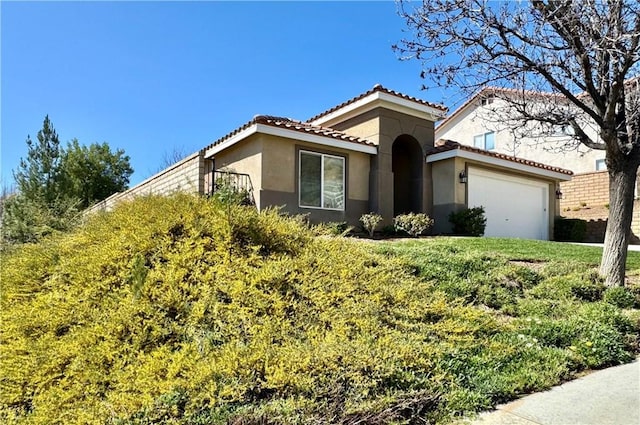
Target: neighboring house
483,122
373,153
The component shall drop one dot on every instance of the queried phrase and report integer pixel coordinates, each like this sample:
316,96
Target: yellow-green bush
174,307
181,310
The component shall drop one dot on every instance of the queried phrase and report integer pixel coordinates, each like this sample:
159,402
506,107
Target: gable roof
449,148
492,91
287,127
376,93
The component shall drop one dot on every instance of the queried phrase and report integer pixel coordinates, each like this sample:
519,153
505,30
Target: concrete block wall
585,189
186,176
597,218
586,196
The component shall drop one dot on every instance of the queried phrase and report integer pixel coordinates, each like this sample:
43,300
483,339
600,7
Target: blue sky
153,77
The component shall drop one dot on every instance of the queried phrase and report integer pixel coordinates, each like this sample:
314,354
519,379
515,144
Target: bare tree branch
554,64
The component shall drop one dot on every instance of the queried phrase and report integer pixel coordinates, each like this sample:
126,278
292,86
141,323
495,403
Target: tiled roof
449,145
299,126
378,88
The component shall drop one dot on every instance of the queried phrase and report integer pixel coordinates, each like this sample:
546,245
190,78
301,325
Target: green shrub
333,228
550,308
604,337
589,288
582,285
29,220
389,230
621,297
194,314
227,191
414,224
569,229
186,310
370,221
549,331
469,222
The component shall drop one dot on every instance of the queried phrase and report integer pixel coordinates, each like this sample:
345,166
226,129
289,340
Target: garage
519,196
514,206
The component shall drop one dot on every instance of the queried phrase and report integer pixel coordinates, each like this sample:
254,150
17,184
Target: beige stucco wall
365,126
477,120
272,164
444,188
244,157
186,176
280,163
383,126
448,193
359,176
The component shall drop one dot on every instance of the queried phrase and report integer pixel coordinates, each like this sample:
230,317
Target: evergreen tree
54,184
38,175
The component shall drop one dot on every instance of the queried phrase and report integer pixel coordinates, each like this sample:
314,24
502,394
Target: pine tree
38,176
54,184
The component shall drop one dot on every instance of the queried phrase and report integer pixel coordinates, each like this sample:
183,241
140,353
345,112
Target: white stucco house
482,121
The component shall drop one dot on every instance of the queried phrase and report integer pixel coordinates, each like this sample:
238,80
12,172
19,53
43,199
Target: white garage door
515,207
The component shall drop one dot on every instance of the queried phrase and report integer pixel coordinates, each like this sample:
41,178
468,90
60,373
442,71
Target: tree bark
616,242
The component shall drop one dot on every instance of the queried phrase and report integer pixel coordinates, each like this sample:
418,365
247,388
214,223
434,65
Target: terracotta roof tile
449,145
378,88
290,124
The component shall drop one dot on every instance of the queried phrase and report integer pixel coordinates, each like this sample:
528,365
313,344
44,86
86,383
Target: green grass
528,250
546,296
182,311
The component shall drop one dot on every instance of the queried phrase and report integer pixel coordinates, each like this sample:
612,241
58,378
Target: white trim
504,163
317,139
231,141
381,99
322,156
291,134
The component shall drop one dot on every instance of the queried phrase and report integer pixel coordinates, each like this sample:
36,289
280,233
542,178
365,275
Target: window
485,141
600,165
321,181
487,100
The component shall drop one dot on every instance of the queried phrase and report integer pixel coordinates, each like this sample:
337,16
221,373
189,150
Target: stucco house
482,121
375,152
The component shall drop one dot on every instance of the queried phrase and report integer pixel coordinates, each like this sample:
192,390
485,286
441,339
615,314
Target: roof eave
500,162
290,134
379,99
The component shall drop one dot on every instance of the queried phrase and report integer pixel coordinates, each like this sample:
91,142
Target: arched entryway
407,162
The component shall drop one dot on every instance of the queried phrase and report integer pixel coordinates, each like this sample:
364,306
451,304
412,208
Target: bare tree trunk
616,241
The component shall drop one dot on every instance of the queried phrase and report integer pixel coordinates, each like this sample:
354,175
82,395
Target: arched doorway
407,159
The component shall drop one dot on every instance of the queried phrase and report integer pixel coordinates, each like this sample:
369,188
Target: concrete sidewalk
606,397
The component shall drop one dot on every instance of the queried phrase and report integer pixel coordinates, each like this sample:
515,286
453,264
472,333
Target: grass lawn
547,299
526,250
182,310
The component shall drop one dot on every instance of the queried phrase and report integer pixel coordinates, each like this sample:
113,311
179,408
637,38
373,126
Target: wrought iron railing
229,182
